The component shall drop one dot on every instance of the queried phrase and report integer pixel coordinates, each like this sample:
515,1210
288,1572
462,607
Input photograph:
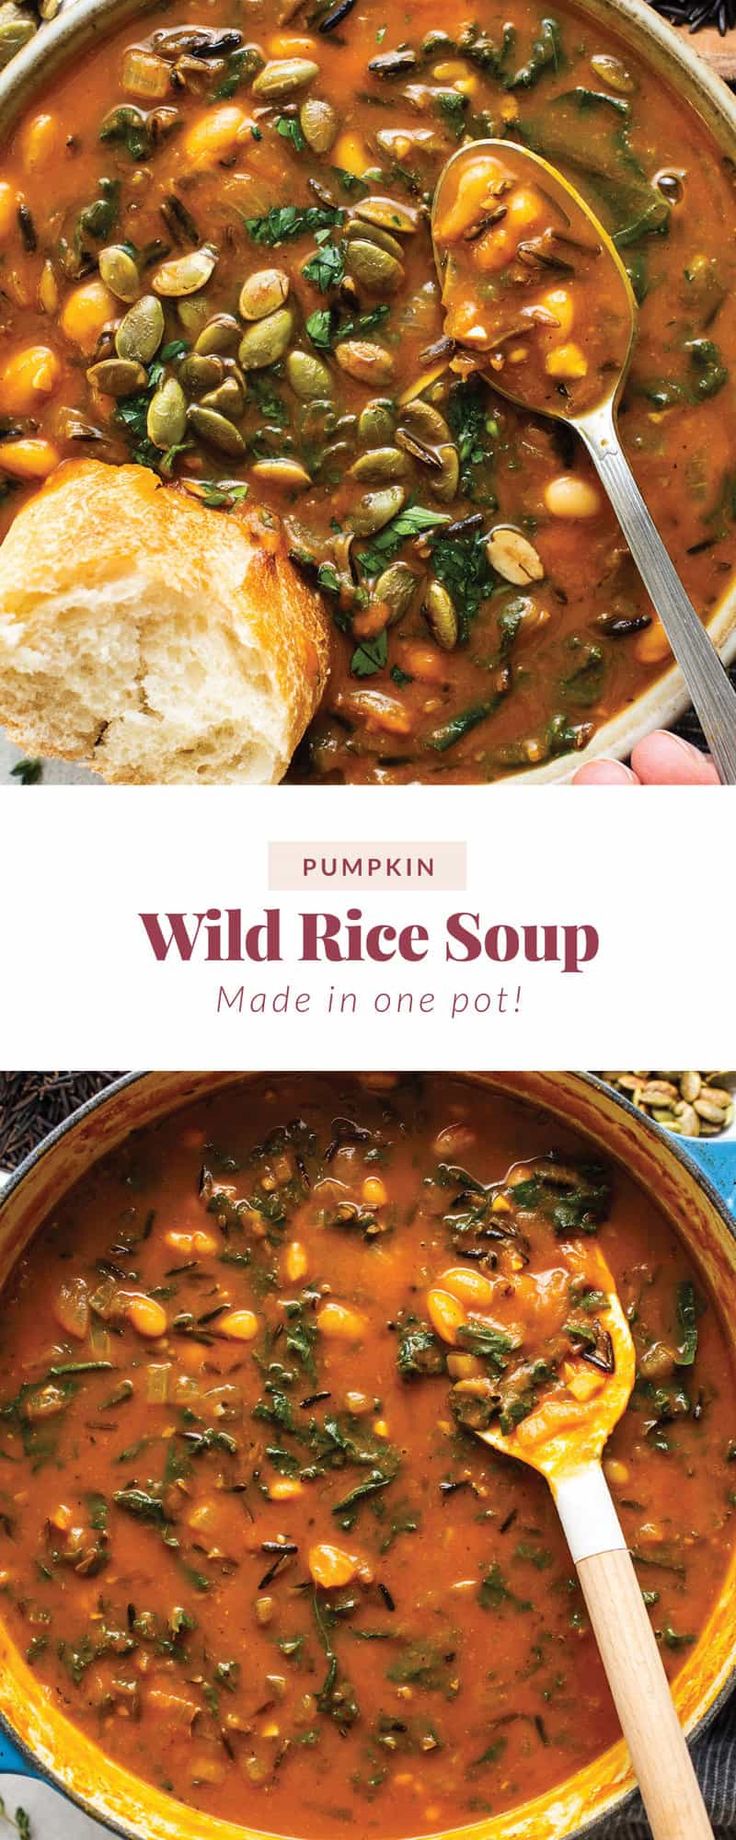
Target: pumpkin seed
376,422
398,143
222,333
513,556
48,289
375,509
16,29
424,421
283,77
119,272
185,274
396,587
265,341
229,492
388,214
140,332
166,421
684,1119
216,430
444,483
199,373
319,124
228,399
610,70
263,293
426,456
712,1110
439,612
373,268
317,421
193,313
285,473
690,1104
658,1092
309,377
379,463
355,231
394,63
117,376
364,361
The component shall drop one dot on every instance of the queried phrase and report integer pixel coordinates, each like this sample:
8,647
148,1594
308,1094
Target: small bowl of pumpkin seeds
690,1104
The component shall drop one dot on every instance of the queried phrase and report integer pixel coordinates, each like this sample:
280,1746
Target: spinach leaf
386,544
546,54
492,1754
301,1335
142,1505
574,1197
491,1344
240,67
346,1511
453,731
566,737
584,681
473,429
425,1663
493,1591
285,221
336,1697
451,107
687,1317
326,268
419,1352
288,126
133,128
706,375
460,561
370,656
670,1638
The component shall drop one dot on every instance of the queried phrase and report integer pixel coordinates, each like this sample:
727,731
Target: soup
247,1540
498,223
217,261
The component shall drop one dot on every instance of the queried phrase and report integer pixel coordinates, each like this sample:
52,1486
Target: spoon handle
707,680
631,1658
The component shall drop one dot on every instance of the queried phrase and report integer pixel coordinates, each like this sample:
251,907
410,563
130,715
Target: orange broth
246,1541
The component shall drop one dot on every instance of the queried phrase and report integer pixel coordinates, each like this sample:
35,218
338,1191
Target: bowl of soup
255,1569
217,262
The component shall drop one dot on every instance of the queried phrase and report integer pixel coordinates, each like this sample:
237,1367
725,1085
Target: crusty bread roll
152,638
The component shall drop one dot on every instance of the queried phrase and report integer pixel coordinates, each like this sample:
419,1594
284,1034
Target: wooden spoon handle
631,1658
642,1697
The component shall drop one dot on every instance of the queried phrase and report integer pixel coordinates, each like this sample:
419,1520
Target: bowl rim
671,56
620,1805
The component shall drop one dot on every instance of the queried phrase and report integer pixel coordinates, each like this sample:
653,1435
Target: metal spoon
579,242
565,1446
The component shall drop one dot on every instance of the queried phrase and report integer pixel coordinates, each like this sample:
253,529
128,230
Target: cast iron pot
676,63
52,1747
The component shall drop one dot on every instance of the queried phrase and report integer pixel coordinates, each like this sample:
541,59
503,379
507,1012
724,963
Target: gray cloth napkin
715,1760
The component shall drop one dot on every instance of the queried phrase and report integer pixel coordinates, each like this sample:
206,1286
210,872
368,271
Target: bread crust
125,546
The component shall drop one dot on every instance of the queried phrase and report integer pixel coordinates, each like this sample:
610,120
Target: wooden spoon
505,347
563,1438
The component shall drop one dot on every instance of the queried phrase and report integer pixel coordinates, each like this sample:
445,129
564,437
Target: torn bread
152,638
